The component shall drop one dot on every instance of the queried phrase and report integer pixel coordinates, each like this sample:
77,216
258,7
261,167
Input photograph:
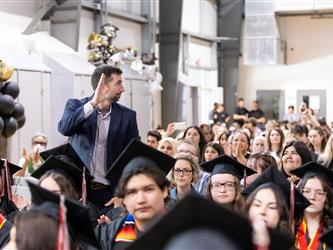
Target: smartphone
179,125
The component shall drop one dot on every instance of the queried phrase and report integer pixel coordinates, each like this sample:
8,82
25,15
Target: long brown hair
238,202
283,225
327,212
281,140
66,187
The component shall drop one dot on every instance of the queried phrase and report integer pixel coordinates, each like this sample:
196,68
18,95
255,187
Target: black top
256,113
240,111
220,117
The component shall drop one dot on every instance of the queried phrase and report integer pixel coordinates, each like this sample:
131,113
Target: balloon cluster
11,112
100,44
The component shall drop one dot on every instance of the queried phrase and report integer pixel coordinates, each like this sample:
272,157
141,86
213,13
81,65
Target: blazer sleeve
72,118
133,132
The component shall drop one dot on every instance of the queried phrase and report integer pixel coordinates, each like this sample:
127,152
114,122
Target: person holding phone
99,129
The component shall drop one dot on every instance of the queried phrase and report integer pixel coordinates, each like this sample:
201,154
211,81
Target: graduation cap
327,237
65,166
77,215
64,150
12,167
7,169
137,154
226,165
196,213
294,199
314,167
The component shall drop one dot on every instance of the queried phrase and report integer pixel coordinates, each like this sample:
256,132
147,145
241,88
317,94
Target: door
272,103
315,99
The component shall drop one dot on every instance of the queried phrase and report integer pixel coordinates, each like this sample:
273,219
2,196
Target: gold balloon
6,70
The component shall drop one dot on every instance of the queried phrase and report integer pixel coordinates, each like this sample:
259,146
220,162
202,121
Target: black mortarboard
138,154
273,175
194,212
315,168
327,237
77,216
65,166
12,167
65,149
226,165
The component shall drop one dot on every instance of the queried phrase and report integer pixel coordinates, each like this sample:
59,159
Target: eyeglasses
228,186
179,171
318,193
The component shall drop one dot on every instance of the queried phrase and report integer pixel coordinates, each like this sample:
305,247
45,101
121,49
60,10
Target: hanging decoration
12,115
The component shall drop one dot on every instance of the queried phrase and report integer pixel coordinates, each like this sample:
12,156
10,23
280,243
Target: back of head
35,231
205,238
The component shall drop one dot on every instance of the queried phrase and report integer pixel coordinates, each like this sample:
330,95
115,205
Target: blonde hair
193,162
326,157
173,142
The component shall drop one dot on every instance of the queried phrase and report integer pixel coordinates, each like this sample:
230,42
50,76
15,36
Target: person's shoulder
79,101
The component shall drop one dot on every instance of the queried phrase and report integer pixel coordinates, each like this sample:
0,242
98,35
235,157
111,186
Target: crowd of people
240,181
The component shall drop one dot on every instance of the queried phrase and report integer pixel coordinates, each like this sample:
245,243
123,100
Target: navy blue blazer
82,132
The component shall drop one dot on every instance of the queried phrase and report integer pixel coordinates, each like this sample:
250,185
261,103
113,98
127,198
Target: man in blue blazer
99,129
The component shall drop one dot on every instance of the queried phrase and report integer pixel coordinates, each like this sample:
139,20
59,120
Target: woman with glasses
184,174
316,186
224,184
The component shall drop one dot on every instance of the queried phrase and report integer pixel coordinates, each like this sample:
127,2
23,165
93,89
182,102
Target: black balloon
11,88
6,104
18,111
21,122
2,124
10,127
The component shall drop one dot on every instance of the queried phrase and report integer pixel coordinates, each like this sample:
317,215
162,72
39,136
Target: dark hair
66,185
225,133
291,107
301,149
263,160
321,132
283,224
202,141
155,134
281,139
300,130
213,145
240,99
154,173
107,70
327,212
44,231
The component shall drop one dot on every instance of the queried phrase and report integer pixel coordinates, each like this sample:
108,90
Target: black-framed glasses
228,186
180,171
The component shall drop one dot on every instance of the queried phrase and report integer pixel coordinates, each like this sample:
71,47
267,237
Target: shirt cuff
88,109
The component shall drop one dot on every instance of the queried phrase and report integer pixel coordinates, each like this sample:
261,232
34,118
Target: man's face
254,105
143,198
115,86
152,141
241,104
